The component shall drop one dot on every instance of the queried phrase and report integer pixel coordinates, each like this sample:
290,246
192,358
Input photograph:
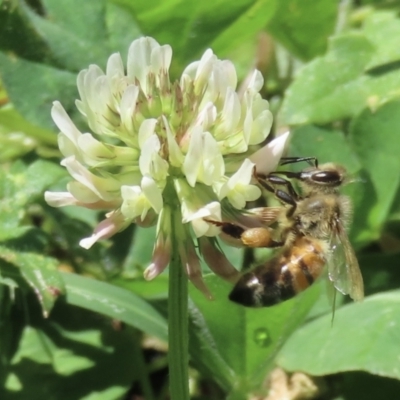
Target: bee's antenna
292,160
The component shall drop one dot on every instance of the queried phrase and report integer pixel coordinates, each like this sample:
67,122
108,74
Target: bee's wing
344,270
337,265
269,215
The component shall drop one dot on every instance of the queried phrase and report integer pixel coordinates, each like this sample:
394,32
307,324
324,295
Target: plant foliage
84,324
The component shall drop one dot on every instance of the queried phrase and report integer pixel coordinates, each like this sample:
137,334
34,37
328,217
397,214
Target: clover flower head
162,151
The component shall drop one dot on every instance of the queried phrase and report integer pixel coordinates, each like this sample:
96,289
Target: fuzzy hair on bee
310,235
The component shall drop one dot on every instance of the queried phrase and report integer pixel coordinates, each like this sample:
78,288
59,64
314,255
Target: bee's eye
327,177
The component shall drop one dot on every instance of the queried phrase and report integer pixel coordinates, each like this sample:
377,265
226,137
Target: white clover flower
161,149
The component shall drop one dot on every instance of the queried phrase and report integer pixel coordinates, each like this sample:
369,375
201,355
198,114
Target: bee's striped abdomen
283,276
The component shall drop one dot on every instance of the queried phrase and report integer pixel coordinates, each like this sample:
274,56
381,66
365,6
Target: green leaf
382,28
194,26
23,183
376,140
17,35
295,26
33,87
331,87
73,37
337,86
41,274
157,289
364,337
328,145
247,24
10,208
240,351
40,175
116,303
19,187
122,28
74,354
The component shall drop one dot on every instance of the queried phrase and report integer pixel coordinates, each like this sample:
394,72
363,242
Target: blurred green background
332,75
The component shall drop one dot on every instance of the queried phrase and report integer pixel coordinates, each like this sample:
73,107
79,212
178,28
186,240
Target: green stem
178,338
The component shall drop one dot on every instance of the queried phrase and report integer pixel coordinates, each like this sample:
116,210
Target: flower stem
178,358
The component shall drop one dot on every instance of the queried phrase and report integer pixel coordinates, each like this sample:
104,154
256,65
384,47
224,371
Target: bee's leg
292,160
251,237
290,197
279,181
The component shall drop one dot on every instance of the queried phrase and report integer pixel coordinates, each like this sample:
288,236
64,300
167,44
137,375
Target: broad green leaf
9,222
242,341
194,26
375,138
364,337
40,175
382,28
33,87
327,144
19,187
24,183
248,23
74,354
336,85
295,26
122,28
73,37
73,34
157,289
17,35
116,303
10,208
41,274
327,87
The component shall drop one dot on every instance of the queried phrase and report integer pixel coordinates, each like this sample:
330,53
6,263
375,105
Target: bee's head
327,178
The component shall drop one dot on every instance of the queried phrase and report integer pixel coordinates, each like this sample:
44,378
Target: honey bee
311,233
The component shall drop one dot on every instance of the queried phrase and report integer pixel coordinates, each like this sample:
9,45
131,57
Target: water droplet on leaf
261,337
